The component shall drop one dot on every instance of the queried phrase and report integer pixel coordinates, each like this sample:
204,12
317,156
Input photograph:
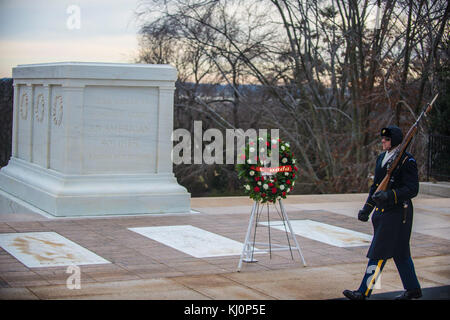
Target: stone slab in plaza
329,234
92,139
47,249
191,240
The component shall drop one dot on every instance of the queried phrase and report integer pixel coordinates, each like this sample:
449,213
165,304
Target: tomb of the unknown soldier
92,139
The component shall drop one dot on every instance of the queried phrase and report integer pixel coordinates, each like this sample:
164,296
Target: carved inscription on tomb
119,127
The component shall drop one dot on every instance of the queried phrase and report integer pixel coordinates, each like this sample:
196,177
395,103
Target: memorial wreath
267,184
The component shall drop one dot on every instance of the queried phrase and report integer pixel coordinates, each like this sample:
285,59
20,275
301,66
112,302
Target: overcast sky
34,31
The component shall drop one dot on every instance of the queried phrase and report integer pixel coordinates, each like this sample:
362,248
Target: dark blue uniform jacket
391,235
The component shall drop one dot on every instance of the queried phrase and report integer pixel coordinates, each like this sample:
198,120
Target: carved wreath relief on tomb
40,106
57,111
24,106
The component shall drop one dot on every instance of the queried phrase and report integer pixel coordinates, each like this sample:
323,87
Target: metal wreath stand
249,246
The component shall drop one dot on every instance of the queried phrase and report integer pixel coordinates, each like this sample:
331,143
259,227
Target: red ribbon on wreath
274,169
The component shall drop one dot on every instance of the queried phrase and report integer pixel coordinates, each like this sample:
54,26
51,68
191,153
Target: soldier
392,220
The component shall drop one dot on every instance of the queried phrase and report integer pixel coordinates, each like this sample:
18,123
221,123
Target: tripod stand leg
246,250
283,212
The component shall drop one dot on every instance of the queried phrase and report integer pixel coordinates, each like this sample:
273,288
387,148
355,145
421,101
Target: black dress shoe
410,294
354,295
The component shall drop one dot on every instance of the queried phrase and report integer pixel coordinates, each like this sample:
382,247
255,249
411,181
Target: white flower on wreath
282,148
258,183
284,160
282,187
288,190
265,186
286,174
287,144
293,161
252,173
247,187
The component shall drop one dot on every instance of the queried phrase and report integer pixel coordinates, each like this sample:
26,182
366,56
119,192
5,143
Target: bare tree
331,76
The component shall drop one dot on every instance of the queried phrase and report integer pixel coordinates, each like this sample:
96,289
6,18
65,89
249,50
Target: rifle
393,162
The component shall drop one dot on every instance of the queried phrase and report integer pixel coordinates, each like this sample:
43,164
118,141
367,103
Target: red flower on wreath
256,189
288,181
274,190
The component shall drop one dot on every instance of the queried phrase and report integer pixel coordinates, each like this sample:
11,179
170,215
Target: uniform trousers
405,267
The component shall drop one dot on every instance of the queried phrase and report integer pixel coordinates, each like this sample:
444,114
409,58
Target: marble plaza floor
195,255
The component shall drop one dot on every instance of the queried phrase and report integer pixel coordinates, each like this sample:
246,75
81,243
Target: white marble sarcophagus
93,139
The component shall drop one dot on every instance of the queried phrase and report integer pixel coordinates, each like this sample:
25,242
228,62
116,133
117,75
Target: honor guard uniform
392,221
